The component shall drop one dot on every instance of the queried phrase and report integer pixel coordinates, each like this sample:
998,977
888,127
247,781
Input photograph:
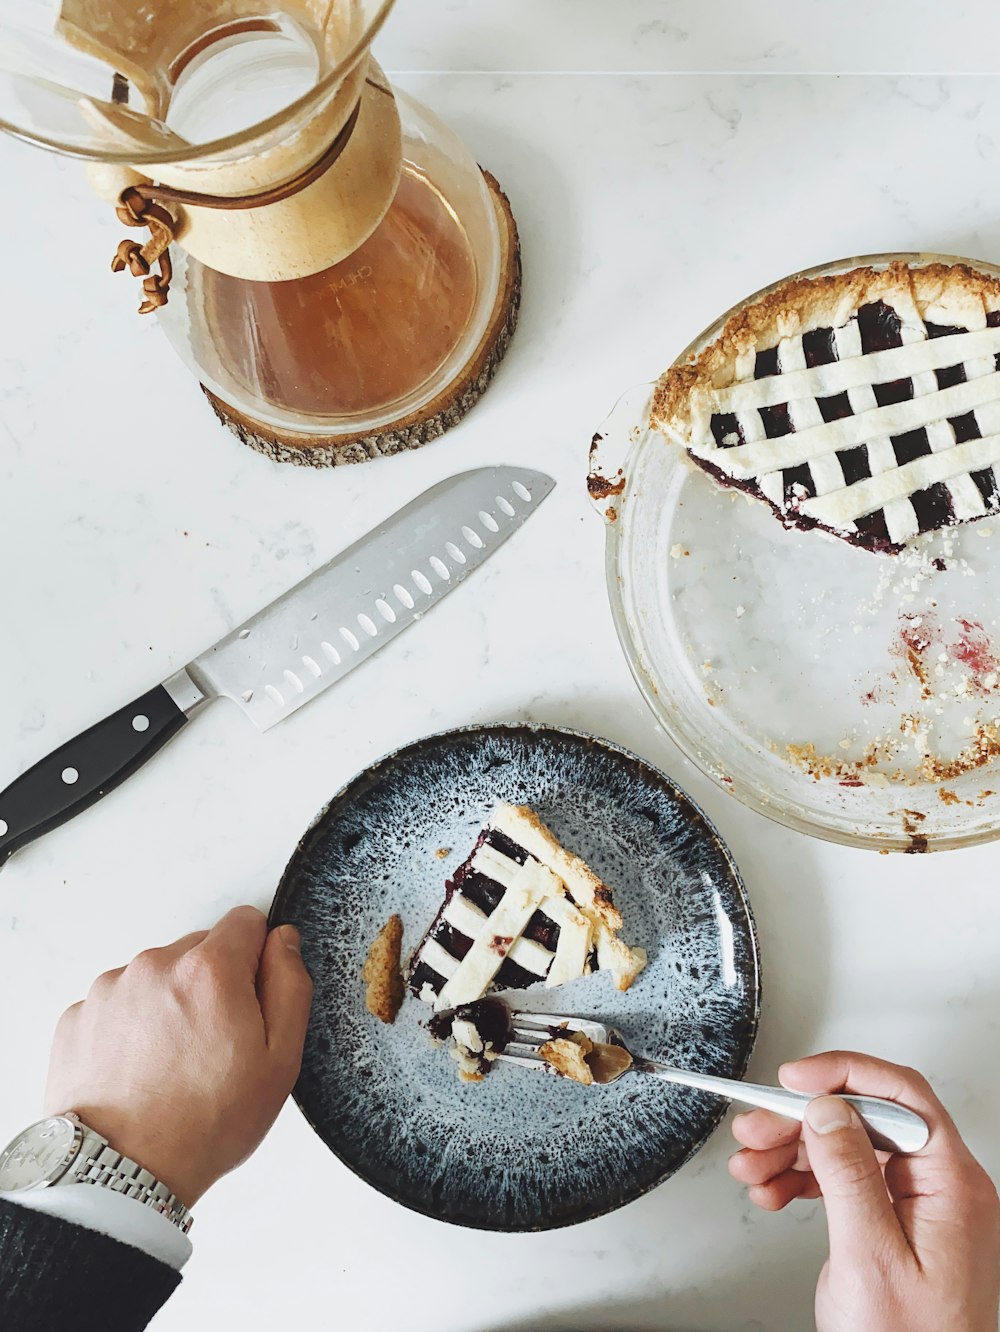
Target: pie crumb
443,852
568,1056
576,1056
383,974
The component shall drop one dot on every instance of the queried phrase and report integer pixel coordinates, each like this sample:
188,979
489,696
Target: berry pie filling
477,1034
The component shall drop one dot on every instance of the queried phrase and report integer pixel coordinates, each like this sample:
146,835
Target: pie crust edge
940,293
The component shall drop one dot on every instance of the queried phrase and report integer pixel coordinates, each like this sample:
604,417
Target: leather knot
129,207
129,255
157,285
135,210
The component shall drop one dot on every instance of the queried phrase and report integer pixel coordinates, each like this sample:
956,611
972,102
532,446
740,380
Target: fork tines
532,1030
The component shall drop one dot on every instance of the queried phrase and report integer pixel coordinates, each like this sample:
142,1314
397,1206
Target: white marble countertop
133,531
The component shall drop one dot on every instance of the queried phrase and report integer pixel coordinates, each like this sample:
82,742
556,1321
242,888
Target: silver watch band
98,1163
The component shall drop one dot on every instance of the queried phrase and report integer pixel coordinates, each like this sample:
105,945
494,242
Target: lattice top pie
521,909
866,404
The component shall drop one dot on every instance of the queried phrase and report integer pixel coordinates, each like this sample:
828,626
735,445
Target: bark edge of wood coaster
435,417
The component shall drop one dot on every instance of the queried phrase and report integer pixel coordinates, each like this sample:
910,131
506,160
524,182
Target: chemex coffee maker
320,249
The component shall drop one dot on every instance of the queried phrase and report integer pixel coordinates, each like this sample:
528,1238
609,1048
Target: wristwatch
63,1150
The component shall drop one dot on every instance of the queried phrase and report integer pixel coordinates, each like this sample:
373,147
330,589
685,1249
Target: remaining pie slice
520,910
866,404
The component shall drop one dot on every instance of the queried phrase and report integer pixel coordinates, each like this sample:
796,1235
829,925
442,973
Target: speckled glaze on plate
519,1151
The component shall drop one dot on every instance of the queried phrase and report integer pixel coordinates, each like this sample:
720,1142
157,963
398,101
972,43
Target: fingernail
291,938
828,1114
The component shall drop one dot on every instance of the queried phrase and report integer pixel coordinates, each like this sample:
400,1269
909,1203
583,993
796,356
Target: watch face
38,1156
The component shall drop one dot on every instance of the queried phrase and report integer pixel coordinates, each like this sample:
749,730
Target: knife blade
307,640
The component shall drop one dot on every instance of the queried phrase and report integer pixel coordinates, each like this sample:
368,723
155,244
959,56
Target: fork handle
891,1127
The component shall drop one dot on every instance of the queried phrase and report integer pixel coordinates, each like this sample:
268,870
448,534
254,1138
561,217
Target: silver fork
891,1127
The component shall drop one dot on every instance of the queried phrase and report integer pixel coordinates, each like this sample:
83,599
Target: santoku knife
302,643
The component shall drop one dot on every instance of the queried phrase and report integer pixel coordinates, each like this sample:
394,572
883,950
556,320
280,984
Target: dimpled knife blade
341,615
302,643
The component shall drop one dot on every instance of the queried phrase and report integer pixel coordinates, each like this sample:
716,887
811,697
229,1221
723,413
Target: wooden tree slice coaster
435,417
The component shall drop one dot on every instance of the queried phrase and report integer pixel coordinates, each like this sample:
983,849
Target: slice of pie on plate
520,910
865,404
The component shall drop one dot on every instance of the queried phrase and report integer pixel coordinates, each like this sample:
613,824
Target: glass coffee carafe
320,249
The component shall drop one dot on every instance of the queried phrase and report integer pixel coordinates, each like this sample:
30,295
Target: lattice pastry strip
866,404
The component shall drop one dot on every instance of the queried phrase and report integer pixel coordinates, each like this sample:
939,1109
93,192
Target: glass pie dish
848,694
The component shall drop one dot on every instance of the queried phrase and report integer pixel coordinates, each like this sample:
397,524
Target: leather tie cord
140,206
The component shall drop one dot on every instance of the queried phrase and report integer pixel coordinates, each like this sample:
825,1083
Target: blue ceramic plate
520,1150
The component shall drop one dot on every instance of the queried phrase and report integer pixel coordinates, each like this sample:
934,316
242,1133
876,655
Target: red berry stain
975,651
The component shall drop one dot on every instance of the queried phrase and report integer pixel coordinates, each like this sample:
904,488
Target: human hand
914,1240
183,1058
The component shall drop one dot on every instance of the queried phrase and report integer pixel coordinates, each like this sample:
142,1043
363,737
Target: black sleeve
58,1277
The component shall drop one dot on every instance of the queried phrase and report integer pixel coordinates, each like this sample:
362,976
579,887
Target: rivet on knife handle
83,770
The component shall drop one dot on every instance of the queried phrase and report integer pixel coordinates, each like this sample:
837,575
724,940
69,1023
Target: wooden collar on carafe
142,206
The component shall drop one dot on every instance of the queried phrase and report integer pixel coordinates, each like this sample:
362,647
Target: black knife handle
79,773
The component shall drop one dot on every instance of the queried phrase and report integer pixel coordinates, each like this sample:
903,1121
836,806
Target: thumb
859,1214
284,992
